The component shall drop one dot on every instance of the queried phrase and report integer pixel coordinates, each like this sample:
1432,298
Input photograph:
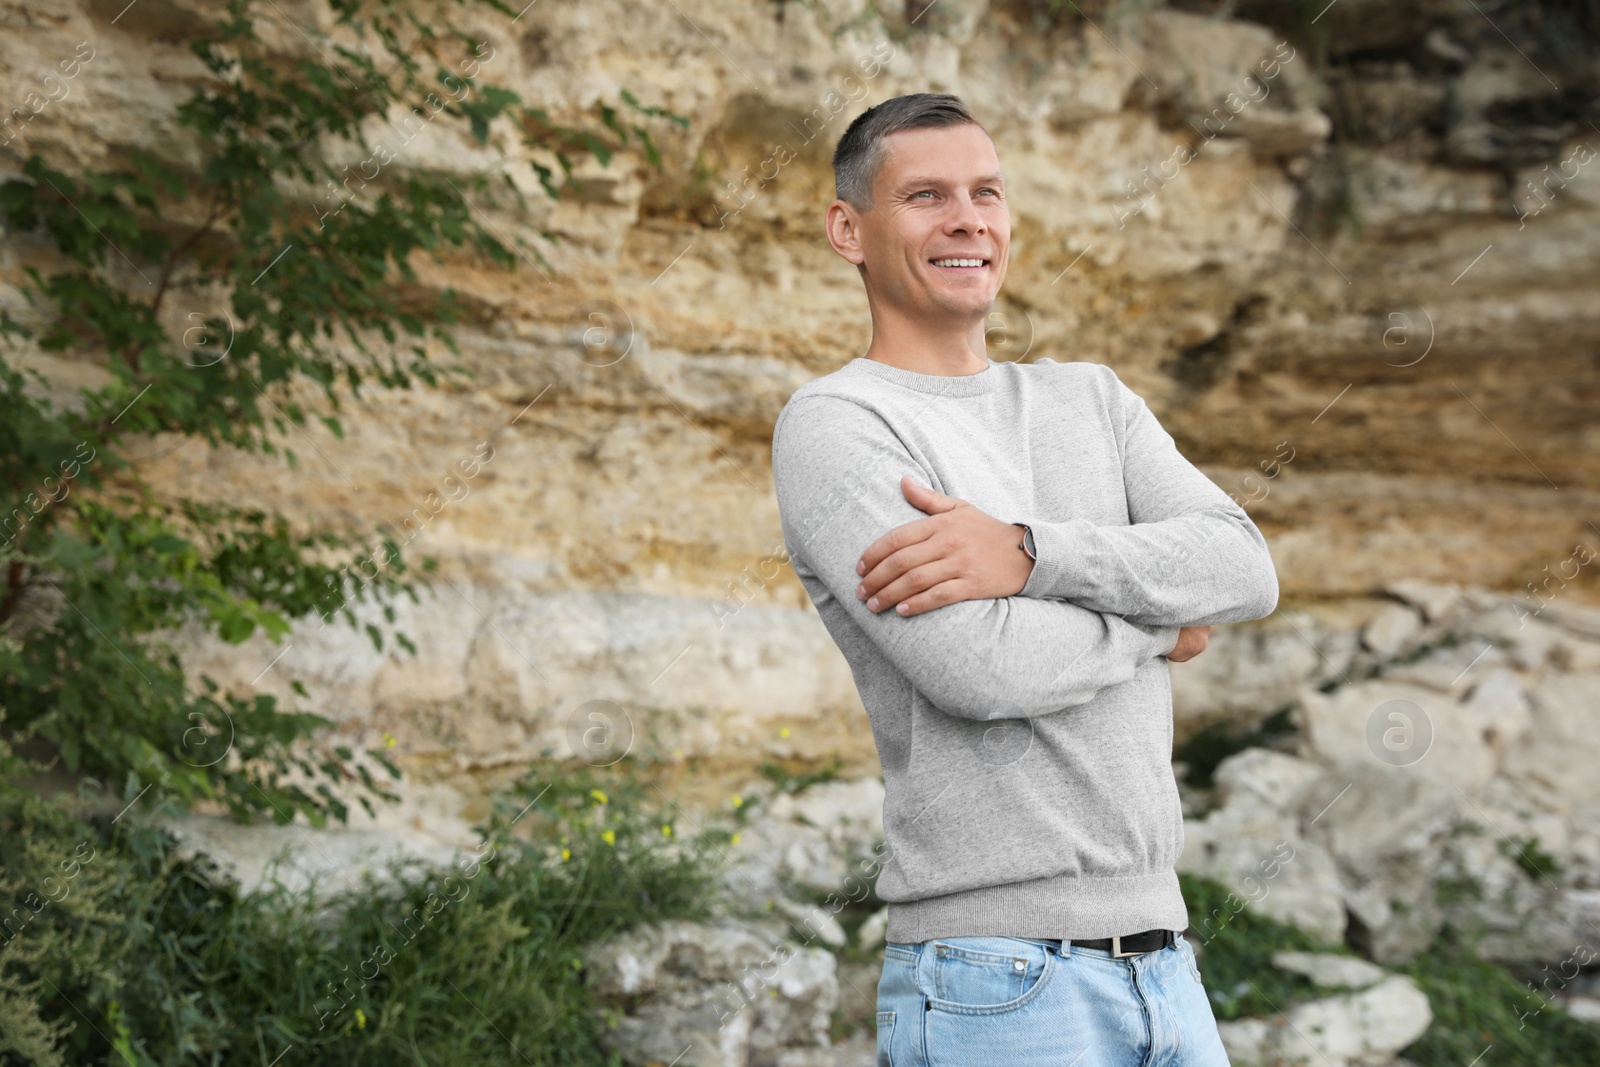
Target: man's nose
964,215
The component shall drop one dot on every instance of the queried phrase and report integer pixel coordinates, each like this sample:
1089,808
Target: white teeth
958,262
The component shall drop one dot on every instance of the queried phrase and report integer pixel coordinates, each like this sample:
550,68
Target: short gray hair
860,151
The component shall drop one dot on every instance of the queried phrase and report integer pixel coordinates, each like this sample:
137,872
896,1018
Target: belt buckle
1116,948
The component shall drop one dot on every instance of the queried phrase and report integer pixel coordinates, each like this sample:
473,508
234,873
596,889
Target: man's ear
843,226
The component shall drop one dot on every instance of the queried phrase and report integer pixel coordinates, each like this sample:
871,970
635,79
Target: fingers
936,596
896,540
914,587
892,565
915,490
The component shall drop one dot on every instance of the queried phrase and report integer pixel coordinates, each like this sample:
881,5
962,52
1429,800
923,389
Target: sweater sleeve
1191,556
836,469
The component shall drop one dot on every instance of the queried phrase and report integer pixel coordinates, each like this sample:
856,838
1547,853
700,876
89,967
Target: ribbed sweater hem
1066,907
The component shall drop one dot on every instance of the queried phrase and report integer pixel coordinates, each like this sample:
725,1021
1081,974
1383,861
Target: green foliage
789,781
168,962
1535,862
1237,943
1457,889
234,300
1476,1004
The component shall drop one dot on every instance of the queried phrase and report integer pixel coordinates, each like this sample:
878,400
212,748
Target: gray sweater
1026,741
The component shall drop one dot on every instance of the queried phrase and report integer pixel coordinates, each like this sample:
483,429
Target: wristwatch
1027,541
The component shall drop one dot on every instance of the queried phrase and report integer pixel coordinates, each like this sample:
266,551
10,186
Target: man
1007,555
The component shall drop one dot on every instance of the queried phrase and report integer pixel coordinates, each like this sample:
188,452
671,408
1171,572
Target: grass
1236,961
1478,1004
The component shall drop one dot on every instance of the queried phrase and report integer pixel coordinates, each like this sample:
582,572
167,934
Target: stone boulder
1252,844
820,838
1247,671
1386,829
1390,630
1553,762
723,994
1399,726
1365,1027
1330,969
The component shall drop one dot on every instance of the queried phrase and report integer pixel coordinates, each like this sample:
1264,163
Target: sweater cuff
1058,572
1165,639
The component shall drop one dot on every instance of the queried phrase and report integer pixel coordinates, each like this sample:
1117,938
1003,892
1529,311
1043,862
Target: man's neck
940,351
946,367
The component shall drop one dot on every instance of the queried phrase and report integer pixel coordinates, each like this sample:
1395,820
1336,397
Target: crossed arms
1191,558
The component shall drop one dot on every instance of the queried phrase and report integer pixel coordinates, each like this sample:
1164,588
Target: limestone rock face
1157,176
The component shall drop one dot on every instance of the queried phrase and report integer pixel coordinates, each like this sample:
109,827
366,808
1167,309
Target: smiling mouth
960,263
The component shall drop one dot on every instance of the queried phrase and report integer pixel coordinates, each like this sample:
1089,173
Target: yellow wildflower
599,796
566,854
609,837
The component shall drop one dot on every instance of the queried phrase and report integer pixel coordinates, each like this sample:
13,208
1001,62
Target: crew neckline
939,384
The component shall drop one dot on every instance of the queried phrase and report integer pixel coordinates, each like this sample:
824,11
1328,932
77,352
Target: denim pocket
987,975
885,1038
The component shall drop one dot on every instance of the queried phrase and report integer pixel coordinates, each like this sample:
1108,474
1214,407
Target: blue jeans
1021,1002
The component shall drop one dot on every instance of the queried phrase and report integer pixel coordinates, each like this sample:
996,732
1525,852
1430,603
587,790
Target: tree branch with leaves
105,571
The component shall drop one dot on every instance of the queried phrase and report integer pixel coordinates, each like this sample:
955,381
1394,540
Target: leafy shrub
151,957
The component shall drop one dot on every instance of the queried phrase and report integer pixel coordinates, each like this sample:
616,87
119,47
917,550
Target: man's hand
957,553
1191,642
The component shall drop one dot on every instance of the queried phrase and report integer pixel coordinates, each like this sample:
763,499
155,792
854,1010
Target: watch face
1027,544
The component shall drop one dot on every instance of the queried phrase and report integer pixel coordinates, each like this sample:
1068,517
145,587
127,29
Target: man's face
938,197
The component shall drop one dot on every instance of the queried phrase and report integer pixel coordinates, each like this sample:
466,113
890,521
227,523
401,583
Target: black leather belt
1131,944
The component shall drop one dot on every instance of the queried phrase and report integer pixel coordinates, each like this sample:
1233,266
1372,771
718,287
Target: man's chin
972,307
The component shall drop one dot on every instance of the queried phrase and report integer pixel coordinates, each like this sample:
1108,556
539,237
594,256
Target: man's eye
923,192
993,192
